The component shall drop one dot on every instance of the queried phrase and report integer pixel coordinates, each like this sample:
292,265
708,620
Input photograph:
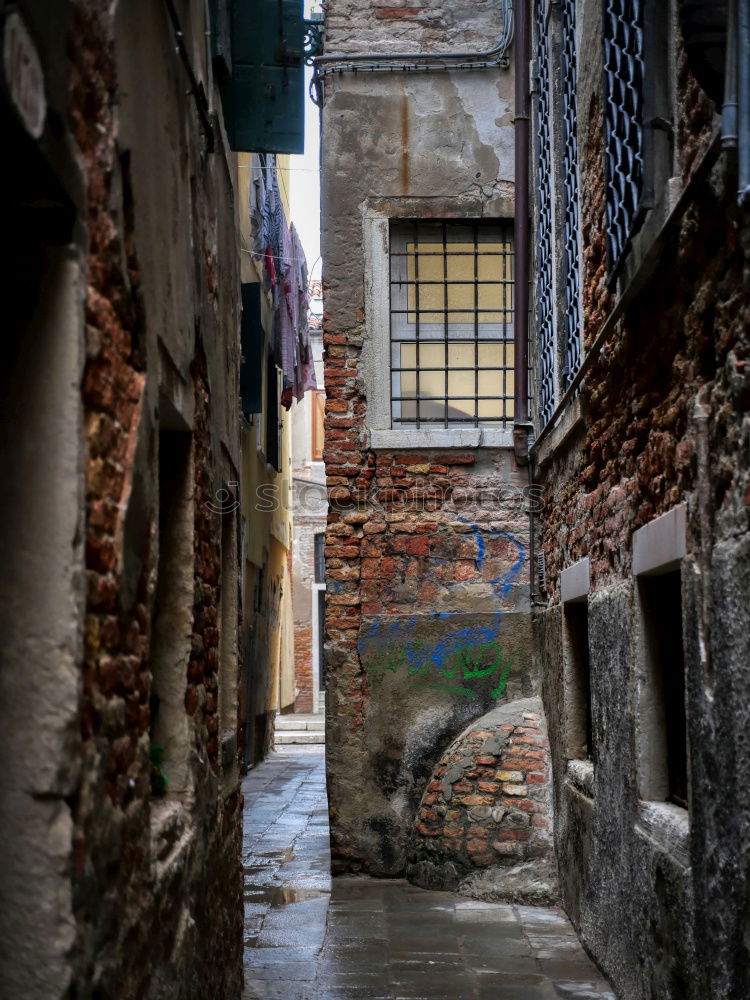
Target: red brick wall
677,336
130,929
303,668
488,802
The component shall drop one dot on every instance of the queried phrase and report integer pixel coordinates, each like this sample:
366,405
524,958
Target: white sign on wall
24,75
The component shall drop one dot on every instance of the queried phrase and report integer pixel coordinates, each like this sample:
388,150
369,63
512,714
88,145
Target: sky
304,177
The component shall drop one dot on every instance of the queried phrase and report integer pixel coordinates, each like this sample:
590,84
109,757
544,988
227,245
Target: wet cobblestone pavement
310,938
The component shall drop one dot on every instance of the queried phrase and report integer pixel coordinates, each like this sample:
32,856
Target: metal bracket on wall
312,45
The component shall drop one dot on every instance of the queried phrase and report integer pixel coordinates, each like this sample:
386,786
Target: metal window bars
544,292
572,307
623,121
451,310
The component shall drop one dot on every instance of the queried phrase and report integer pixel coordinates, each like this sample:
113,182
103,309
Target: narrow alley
375,500
310,938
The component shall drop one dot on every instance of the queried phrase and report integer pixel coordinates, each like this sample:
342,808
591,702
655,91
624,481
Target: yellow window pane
489,268
510,354
490,409
408,356
432,355
408,384
491,384
461,297
490,355
430,297
490,297
431,384
460,383
460,267
431,318
460,355
461,409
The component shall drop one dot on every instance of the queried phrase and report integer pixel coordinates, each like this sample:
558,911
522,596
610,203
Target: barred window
451,304
572,312
557,344
544,295
637,125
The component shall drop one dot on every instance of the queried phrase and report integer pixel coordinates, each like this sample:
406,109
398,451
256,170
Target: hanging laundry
278,249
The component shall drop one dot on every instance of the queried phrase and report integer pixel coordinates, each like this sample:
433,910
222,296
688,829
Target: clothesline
287,260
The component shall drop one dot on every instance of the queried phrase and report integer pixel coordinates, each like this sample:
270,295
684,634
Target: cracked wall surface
658,893
427,623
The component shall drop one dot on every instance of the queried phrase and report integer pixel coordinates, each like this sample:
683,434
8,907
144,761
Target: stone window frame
575,586
376,364
658,548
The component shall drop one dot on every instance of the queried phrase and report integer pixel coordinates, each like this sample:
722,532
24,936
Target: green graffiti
457,674
389,658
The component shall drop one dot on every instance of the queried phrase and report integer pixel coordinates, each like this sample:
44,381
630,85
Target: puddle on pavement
279,895
281,856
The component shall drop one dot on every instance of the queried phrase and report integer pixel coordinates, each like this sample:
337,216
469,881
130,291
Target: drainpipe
743,101
521,422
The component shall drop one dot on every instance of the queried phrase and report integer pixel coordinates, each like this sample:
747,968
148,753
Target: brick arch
484,824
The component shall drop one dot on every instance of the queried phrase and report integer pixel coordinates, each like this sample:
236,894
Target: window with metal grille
572,312
637,125
451,301
544,292
623,119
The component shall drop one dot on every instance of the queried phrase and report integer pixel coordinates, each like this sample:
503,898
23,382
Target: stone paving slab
308,937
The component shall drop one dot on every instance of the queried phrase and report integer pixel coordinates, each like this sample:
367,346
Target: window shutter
221,37
251,342
263,98
273,450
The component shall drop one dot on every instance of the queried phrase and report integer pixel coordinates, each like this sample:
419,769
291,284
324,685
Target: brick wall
427,614
488,802
660,420
303,668
156,883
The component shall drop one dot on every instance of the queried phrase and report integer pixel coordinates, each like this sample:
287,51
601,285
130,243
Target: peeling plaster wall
410,592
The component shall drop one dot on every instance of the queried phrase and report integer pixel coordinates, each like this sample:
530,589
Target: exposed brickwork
488,801
664,419
427,618
681,334
138,924
303,671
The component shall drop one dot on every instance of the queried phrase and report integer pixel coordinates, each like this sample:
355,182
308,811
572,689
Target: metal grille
545,317
452,352
572,316
623,120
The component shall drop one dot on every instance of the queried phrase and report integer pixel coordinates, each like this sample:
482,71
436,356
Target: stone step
301,736
295,723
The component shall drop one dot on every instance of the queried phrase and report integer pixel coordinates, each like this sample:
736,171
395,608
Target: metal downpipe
521,423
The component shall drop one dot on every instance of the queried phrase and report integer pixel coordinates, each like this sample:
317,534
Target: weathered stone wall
404,26
145,890
426,548
662,420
